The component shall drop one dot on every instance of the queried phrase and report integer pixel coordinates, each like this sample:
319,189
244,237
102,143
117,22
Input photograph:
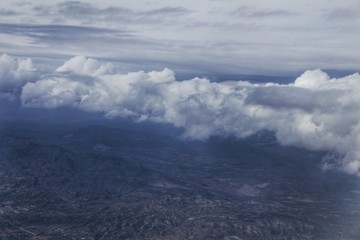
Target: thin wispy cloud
253,12
88,13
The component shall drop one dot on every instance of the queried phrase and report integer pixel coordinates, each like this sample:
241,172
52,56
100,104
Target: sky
207,37
189,64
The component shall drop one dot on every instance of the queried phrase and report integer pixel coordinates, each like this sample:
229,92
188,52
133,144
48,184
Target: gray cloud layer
89,13
314,112
344,14
253,12
251,37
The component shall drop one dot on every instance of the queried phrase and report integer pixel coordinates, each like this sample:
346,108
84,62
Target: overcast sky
209,37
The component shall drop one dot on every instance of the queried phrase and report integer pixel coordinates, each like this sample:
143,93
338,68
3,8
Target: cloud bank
314,112
14,74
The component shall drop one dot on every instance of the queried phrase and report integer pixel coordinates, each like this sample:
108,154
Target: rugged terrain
95,182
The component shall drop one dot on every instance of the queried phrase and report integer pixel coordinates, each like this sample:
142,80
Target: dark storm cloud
253,12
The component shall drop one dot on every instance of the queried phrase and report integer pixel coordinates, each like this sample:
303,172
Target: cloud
86,66
77,9
254,12
344,14
166,12
184,37
50,34
314,112
87,12
15,72
7,97
54,92
8,13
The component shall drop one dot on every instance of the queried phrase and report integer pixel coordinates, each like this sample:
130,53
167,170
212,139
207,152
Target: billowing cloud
314,112
14,73
86,66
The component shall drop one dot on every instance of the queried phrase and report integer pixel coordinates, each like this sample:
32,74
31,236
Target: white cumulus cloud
14,73
86,66
315,111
